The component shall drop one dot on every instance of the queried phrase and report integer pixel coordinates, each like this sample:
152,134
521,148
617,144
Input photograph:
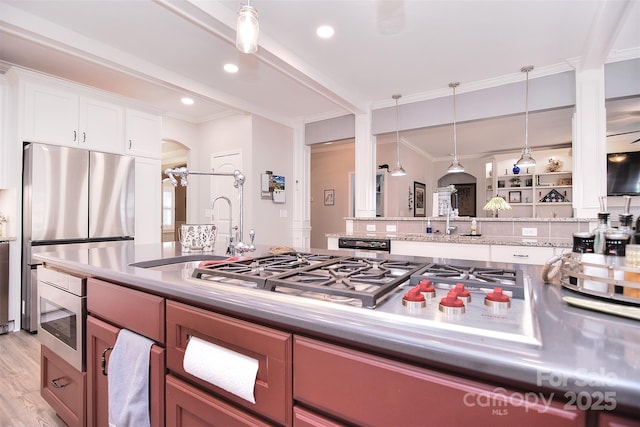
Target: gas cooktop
491,303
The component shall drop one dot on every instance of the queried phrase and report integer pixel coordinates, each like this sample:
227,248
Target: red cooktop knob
426,288
462,293
413,299
497,299
451,304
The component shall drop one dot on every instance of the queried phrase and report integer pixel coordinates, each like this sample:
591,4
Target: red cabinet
63,387
188,406
368,390
133,310
270,347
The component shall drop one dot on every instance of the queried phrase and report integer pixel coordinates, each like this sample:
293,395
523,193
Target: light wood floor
20,402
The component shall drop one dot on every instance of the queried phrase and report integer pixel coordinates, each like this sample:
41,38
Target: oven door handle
103,362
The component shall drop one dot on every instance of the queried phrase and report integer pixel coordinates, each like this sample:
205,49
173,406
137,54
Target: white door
222,186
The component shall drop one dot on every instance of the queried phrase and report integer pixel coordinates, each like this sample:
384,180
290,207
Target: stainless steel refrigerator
71,196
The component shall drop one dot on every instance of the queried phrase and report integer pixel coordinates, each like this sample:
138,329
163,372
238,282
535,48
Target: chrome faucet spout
449,228
231,248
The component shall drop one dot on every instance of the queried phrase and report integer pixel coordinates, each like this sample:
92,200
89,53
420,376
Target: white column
301,227
589,143
365,187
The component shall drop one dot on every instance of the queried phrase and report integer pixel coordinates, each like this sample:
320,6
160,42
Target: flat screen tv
623,173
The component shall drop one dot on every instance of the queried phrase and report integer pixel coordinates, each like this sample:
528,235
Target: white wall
273,151
265,145
417,166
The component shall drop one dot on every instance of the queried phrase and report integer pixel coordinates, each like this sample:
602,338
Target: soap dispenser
429,228
474,227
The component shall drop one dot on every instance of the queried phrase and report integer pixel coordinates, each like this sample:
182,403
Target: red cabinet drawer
270,347
305,418
368,390
63,387
188,406
137,311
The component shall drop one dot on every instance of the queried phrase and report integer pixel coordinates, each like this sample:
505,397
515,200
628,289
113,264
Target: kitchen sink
161,262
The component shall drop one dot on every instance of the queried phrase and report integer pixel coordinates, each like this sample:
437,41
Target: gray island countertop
580,351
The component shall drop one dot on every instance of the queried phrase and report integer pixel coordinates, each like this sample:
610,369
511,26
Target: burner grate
355,279
474,278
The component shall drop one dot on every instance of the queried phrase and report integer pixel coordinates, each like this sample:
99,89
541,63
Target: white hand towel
231,371
128,381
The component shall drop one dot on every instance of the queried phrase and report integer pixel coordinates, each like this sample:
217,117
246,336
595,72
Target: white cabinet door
474,252
143,134
101,126
148,201
521,254
50,115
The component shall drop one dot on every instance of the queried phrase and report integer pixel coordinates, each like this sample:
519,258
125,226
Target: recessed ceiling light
231,68
187,101
325,31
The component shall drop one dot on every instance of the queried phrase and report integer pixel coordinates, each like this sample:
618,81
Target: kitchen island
328,363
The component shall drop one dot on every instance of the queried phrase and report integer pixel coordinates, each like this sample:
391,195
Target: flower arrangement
554,165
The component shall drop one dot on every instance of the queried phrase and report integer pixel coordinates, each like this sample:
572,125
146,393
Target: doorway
174,199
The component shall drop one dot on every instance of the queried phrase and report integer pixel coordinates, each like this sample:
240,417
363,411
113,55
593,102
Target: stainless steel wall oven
62,313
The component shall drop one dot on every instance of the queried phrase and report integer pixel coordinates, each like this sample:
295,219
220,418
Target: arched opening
174,199
464,199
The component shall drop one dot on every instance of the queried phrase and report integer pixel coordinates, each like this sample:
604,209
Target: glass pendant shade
247,30
398,171
455,166
525,159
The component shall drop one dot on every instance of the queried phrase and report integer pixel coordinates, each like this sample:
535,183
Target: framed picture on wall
464,199
515,196
419,197
329,197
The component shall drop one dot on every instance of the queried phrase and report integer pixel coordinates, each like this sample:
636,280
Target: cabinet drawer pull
103,362
84,137
55,383
521,255
129,144
75,135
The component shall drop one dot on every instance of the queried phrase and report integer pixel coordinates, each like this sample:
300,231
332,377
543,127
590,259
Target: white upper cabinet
101,126
61,117
53,111
50,115
143,134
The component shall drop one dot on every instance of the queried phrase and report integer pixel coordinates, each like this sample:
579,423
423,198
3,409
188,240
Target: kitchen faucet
238,182
449,228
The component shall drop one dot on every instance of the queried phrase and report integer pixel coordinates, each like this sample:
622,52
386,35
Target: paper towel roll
231,371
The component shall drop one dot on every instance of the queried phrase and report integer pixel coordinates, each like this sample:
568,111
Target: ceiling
158,51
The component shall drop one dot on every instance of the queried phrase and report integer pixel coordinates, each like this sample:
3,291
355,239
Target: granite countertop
580,350
460,238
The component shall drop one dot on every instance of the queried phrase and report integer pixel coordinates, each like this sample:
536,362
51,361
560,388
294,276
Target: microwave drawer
130,309
272,349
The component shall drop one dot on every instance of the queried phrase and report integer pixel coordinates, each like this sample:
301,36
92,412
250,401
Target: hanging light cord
526,112
455,135
396,97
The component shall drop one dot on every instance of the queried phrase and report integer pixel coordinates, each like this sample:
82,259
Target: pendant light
525,159
455,166
398,171
247,29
